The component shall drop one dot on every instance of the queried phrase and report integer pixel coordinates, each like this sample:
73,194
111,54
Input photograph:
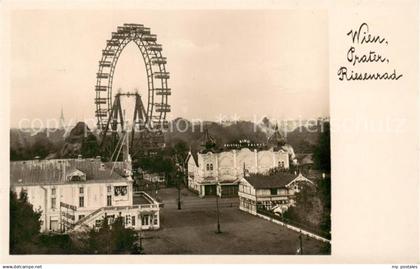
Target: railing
148,206
88,216
113,208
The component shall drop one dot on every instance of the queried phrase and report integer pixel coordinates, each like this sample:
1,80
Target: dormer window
76,175
102,167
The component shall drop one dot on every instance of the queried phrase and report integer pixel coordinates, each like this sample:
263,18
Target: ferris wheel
151,113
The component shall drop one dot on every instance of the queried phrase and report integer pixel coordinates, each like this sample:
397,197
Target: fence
294,225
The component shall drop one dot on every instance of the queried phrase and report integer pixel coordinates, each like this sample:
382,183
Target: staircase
82,222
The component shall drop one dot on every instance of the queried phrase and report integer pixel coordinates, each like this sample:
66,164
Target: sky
242,64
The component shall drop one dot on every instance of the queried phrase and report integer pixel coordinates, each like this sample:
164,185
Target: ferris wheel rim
155,65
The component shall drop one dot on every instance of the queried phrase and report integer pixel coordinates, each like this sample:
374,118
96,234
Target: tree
181,150
42,147
90,147
313,208
322,152
25,224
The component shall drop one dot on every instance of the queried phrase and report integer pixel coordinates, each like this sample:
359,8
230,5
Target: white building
210,168
77,193
267,192
227,168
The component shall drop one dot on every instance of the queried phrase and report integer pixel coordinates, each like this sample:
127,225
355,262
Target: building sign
120,190
68,215
71,207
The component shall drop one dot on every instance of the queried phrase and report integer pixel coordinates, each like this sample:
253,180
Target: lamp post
218,192
179,196
300,243
141,235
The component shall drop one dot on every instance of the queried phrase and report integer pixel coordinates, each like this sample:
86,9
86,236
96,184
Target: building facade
211,169
80,193
269,192
226,168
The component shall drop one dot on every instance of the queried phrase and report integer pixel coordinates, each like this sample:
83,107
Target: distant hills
48,144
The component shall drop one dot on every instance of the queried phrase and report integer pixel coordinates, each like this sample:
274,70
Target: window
133,220
53,203
81,201
211,167
145,220
155,220
207,167
81,217
53,191
108,189
109,200
127,219
81,190
273,191
76,178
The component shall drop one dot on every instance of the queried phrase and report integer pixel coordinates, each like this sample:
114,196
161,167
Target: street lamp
218,192
300,243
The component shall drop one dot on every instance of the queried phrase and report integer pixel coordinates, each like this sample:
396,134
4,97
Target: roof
209,143
55,171
276,139
278,180
192,154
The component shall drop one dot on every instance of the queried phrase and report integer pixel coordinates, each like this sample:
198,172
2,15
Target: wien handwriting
363,36
367,49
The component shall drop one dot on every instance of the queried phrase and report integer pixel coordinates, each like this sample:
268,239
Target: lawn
192,230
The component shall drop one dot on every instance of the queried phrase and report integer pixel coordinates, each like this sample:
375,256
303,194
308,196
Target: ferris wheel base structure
149,119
